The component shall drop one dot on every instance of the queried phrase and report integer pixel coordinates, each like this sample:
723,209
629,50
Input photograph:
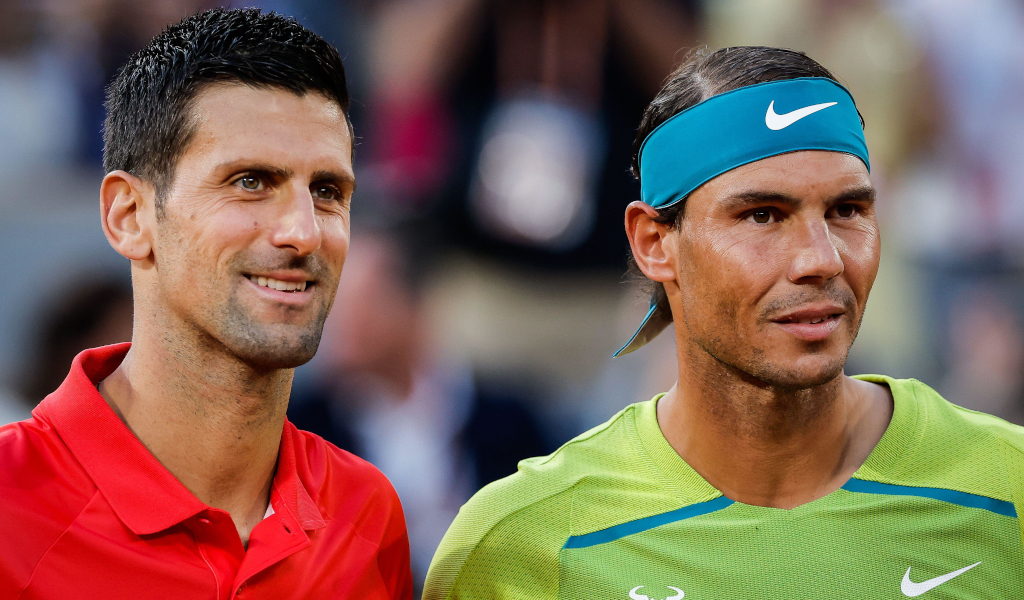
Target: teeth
274,284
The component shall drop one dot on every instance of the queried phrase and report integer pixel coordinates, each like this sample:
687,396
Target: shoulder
956,448
984,450
346,487
593,456
506,538
34,462
350,492
43,489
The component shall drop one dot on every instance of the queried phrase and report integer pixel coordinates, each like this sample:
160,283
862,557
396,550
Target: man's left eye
846,211
325,192
761,216
250,182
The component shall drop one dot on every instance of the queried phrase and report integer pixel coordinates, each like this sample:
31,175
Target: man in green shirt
765,472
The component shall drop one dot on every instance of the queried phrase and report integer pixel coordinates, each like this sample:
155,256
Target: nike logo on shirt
776,122
911,589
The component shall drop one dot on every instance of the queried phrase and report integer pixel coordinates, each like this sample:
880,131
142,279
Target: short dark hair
149,123
705,74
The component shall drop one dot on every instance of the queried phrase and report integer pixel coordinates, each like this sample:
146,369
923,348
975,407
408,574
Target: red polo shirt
87,512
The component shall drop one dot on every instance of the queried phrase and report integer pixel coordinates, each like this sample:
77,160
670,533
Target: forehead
272,125
807,174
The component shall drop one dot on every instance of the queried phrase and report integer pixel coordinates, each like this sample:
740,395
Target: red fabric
87,512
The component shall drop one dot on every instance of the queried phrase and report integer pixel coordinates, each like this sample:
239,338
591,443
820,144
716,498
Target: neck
214,422
786,447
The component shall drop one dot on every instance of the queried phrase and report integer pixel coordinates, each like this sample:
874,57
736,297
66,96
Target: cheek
334,232
736,269
861,252
207,240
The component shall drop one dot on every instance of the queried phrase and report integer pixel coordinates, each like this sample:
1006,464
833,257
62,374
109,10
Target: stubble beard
786,398
756,366
266,346
231,326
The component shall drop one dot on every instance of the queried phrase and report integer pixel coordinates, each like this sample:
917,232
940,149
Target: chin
803,373
276,353
272,345
786,367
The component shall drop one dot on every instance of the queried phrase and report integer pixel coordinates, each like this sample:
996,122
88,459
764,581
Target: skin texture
756,246
263,188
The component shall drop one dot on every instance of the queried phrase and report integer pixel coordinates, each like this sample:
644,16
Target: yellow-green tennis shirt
617,514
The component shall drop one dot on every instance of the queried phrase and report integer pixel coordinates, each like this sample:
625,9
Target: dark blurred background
484,293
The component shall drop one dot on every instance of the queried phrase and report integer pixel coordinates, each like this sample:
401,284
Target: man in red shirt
165,468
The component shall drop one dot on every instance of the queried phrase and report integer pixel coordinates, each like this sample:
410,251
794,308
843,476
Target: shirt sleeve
1013,460
492,553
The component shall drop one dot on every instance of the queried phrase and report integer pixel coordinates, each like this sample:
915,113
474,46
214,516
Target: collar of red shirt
144,494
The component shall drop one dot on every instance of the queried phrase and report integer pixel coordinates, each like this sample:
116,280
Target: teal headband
745,125
734,129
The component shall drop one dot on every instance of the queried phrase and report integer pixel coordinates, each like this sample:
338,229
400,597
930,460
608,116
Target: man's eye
325,192
762,216
250,182
846,211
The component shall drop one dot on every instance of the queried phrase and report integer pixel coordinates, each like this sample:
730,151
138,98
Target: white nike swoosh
911,589
776,122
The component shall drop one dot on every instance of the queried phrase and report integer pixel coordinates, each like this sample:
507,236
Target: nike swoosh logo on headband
776,122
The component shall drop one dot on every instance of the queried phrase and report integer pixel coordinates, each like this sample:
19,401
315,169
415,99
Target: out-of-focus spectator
38,109
512,121
94,38
92,314
986,355
382,391
505,130
976,58
964,205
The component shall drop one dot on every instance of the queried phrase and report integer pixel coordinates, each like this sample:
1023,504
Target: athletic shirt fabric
616,509
87,512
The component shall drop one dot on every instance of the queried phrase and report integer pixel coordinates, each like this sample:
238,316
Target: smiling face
253,232
774,263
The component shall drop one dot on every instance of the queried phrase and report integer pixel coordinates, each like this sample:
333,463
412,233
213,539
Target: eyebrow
286,173
757,197
245,165
334,177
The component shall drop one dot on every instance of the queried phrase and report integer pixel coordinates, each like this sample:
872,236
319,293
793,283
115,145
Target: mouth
291,285
810,320
813,324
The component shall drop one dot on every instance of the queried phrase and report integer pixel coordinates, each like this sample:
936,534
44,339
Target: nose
297,225
817,258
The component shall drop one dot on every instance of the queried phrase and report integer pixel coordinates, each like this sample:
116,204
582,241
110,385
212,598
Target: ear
651,243
128,213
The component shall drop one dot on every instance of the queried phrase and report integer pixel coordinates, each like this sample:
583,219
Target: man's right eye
762,216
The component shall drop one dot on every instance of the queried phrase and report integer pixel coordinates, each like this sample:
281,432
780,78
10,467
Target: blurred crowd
484,292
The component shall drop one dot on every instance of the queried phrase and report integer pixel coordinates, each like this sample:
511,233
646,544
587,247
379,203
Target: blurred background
484,293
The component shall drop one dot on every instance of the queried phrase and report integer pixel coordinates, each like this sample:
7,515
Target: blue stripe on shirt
620,531
1000,507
